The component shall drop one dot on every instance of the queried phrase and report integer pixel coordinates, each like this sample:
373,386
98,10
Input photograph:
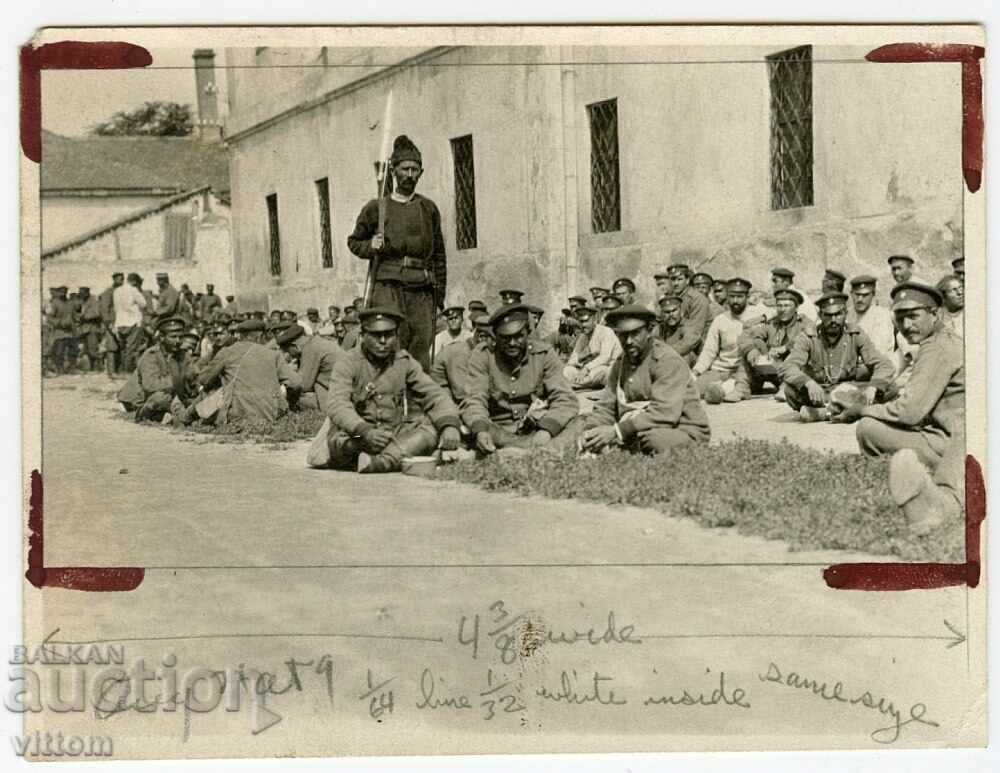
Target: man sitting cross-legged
517,395
650,403
382,406
833,366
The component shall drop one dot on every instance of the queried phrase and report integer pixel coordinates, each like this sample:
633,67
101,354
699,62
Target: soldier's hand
541,437
869,395
378,242
596,438
449,439
376,438
850,414
816,393
484,442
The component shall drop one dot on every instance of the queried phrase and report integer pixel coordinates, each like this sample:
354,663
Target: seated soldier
517,394
695,311
719,368
650,403
595,349
162,386
923,427
674,332
315,357
249,377
824,368
450,367
765,345
382,406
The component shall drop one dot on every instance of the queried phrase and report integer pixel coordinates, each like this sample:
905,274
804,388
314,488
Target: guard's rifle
385,150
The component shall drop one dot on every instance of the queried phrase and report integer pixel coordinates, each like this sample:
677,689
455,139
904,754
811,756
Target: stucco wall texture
693,133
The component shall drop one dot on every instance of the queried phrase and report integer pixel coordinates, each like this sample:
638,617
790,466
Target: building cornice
339,92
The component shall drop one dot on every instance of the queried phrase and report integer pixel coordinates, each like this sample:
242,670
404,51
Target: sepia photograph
459,390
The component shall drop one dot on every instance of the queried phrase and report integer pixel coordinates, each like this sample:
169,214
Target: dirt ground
252,558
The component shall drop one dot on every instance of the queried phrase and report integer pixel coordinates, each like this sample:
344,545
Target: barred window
605,194
465,193
325,239
790,77
272,223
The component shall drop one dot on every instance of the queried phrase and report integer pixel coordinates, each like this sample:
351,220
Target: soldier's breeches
505,434
409,440
155,406
876,438
416,304
661,439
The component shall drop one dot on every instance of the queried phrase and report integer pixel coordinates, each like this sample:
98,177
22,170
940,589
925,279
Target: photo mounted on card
460,390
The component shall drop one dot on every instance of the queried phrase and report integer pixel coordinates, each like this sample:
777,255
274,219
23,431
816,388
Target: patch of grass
296,425
810,499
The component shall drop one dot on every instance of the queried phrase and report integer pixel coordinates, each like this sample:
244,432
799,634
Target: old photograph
454,390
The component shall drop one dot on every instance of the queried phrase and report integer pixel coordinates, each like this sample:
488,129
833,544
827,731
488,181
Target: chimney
207,126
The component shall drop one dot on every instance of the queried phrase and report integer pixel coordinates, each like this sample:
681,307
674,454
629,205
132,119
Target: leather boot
925,504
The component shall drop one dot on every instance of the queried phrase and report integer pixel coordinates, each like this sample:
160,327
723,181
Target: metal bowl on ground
421,466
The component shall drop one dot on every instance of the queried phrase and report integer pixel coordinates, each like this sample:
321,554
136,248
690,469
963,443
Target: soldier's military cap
720,283
171,325
665,274
117,274
481,320
864,280
789,294
906,258
454,311
675,267
609,302
532,309
586,311
834,274
702,275
258,314
629,317
278,325
578,299
667,300
291,334
191,333
379,318
958,264
251,326
350,314
915,295
510,319
313,311
289,315
333,307
739,284
599,290
511,296
81,288
477,306
61,289
787,273
831,302
623,281
162,275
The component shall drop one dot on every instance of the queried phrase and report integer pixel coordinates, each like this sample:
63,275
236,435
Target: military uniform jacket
933,400
62,319
450,369
208,305
664,380
106,300
90,317
812,359
500,393
156,371
316,363
773,335
682,339
695,312
251,377
363,394
168,304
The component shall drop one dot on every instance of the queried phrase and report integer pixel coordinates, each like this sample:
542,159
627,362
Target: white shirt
603,342
876,323
129,303
954,321
720,352
445,338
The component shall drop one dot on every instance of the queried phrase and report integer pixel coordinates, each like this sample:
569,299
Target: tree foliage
153,119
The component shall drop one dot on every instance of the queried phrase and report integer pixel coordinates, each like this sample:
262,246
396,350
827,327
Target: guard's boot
377,463
925,504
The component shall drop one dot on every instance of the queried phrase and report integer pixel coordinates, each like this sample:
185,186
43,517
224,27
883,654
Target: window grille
465,193
178,236
326,241
272,222
605,192
790,77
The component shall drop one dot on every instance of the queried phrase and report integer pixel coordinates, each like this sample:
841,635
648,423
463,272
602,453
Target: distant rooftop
131,165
